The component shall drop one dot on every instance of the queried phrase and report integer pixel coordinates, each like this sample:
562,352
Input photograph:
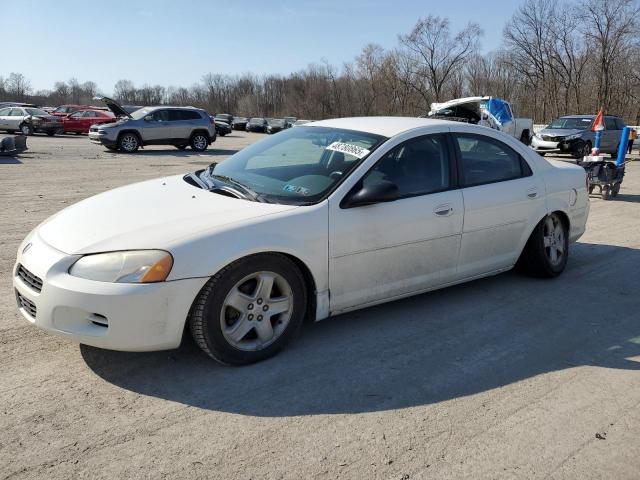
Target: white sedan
316,220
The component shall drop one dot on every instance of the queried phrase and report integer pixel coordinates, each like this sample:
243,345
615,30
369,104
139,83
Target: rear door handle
443,210
532,192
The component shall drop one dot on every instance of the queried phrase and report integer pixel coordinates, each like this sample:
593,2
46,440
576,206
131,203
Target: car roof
589,116
385,126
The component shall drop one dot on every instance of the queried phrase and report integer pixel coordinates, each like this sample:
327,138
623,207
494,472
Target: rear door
503,200
15,118
184,122
4,118
73,122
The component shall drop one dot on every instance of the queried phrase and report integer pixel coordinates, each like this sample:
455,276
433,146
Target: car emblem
26,247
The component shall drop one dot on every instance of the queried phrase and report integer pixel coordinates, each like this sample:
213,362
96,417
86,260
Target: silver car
28,120
177,126
572,135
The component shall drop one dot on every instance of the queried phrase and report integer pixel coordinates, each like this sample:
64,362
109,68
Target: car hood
114,106
560,132
152,214
435,107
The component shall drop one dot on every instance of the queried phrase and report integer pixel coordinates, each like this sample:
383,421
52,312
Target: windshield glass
580,123
138,114
276,122
298,166
256,120
35,111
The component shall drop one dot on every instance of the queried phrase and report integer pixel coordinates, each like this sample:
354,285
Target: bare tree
17,86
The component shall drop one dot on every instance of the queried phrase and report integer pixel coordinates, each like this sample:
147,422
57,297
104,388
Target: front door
387,250
157,127
4,118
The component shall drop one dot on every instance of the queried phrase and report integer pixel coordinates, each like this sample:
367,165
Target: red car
64,110
81,120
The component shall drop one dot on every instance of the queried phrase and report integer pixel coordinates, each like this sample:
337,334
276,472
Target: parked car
289,121
275,125
239,123
297,123
28,120
228,251
64,110
222,128
491,112
178,126
224,117
80,121
572,134
257,124
17,104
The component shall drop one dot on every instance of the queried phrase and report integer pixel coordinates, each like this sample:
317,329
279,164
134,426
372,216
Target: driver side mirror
382,191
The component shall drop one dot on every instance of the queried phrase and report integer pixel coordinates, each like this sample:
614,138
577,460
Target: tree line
556,58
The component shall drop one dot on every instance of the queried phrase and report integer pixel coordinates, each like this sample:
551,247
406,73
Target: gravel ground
506,377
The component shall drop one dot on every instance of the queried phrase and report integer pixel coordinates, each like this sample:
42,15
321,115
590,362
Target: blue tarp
499,109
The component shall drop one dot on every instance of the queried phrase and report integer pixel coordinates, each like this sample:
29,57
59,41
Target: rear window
189,115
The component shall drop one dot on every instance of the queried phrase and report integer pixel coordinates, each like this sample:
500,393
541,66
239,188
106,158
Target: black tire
591,187
128,142
615,190
586,149
605,193
51,133
180,147
199,141
535,259
26,129
525,138
205,320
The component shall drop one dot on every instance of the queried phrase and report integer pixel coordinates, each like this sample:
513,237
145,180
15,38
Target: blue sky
176,42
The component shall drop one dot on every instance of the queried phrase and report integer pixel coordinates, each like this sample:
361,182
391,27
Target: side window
418,166
485,160
89,114
5,112
609,123
619,124
76,115
17,112
161,116
190,115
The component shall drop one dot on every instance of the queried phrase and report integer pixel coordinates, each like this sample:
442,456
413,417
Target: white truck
492,112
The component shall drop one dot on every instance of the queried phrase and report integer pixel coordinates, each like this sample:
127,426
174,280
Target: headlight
573,137
135,266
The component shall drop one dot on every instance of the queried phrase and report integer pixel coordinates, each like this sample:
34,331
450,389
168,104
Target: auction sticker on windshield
354,150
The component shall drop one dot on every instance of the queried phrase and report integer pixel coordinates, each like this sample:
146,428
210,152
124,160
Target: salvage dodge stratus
320,219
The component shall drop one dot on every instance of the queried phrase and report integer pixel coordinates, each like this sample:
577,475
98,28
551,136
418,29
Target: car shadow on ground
9,160
429,348
210,152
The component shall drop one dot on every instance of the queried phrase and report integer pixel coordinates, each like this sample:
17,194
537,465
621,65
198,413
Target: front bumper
106,139
565,146
116,316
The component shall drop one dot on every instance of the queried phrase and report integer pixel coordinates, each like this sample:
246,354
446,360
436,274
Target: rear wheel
547,250
199,142
129,142
51,133
249,310
26,129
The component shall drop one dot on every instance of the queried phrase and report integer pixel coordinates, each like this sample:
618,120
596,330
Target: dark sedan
222,128
274,125
239,123
257,124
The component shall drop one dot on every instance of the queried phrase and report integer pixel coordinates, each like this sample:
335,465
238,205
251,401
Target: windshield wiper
256,197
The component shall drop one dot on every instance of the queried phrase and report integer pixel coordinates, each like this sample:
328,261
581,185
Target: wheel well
200,130
565,219
563,216
310,285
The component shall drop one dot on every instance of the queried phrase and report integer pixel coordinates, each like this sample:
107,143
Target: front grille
27,305
551,138
29,278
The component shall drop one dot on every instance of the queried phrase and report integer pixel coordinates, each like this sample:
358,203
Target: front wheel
525,138
547,250
250,310
51,133
129,143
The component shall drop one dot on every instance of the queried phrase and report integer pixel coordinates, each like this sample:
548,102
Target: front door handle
532,192
443,210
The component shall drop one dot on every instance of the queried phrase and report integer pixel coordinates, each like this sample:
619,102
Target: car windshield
139,114
573,123
276,122
298,166
35,111
256,120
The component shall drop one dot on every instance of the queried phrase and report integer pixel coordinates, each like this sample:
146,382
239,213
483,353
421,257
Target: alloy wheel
256,311
200,142
554,240
129,142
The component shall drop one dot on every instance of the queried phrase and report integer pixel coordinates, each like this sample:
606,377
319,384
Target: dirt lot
507,377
